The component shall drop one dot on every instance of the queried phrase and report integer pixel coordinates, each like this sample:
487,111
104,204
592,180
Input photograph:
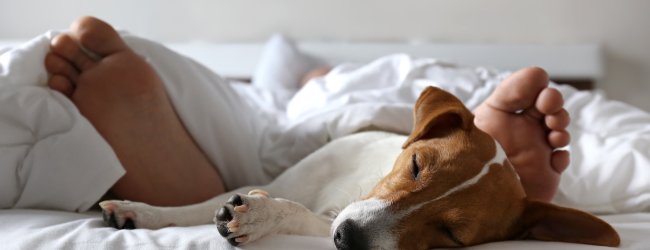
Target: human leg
122,96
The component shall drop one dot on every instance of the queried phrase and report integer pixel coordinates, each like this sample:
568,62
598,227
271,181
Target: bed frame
577,65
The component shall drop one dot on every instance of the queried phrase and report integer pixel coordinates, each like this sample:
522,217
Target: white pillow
282,65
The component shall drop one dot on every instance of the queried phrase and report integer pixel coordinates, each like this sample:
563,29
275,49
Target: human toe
66,47
560,160
97,36
558,121
56,65
520,90
61,84
549,101
559,138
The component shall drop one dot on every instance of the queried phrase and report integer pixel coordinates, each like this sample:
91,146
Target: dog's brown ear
548,222
437,113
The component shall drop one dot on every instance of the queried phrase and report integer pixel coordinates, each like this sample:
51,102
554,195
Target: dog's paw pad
235,200
223,215
245,218
238,204
223,229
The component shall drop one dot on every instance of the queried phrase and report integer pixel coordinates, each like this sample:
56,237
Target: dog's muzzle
349,236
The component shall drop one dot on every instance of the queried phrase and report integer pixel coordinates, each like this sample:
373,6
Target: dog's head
453,186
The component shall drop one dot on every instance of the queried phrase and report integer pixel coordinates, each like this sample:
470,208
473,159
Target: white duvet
51,157
610,161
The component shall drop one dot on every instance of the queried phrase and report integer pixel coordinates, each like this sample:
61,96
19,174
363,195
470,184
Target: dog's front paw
130,215
246,218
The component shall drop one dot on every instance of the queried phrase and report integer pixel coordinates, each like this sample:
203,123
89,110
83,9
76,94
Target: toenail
241,239
241,209
107,205
259,192
233,223
233,242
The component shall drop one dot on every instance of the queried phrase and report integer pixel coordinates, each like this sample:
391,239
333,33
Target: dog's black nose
348,236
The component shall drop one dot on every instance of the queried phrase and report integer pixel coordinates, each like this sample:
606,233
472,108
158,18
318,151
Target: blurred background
622,27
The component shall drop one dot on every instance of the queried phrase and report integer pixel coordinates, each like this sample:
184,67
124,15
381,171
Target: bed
623,201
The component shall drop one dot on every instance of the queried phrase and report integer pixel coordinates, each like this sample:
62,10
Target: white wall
622,26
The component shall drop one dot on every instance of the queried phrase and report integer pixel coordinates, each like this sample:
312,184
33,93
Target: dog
450,186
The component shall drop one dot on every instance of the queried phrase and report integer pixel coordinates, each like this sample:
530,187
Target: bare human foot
529,121
317,72
123,97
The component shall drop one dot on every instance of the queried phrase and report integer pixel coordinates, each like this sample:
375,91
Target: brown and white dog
450,186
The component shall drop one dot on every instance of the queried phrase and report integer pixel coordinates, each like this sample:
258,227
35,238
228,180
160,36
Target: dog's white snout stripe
498,158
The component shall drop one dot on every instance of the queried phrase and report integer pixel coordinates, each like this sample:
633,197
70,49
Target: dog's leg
246,218
130,215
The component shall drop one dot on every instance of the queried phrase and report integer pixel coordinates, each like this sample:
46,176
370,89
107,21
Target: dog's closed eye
415,169
447,231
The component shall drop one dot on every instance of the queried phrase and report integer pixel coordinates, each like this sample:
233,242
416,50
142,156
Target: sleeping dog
451,185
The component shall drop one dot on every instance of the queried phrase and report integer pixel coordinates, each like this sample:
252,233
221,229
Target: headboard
578,65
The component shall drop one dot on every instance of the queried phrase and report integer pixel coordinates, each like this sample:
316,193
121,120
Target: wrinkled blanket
51,156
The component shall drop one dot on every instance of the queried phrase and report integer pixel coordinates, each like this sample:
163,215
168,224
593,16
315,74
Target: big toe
97,36
520,90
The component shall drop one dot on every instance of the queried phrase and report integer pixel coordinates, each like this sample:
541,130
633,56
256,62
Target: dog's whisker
349,195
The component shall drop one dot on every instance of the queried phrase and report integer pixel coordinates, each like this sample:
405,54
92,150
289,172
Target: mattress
43,229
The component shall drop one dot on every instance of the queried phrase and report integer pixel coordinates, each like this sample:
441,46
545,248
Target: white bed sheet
43,229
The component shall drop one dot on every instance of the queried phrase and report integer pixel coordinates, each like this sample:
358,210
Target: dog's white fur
310,194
